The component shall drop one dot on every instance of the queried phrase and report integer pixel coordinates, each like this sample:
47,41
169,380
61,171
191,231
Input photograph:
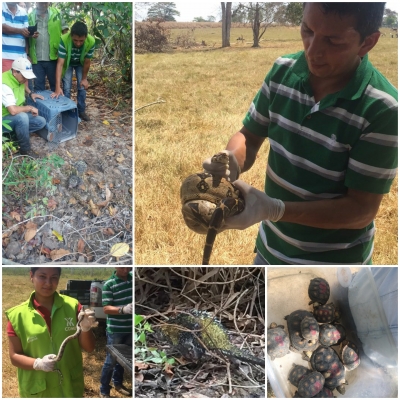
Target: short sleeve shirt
318,150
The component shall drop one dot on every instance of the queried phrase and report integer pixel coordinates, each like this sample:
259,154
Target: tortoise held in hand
207,201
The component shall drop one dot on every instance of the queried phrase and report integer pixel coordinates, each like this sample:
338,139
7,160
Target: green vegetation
144,353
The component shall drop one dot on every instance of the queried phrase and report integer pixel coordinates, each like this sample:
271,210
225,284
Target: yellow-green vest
17,88
67,40
55,30
37,342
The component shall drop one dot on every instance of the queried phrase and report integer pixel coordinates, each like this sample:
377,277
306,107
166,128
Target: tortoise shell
80,167
350,355
200,195
319,291
298,343
311,384
297,373
326,313
277,342
322,358
328,335
309,329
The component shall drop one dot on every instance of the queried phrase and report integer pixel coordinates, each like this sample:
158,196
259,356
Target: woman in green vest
36,329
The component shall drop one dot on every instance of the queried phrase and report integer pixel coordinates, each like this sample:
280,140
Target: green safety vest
55,30
17,88
67,40
36,342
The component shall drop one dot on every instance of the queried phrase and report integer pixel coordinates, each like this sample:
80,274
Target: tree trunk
226,23
256,27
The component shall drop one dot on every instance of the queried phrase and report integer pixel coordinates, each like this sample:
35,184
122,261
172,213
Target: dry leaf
69,154
57,235
105,122
51,204
60,253
55,181
72,200
30,225
15,215
30,234
117,113
90,172
119,249
116,134
112,211
110,152
101,185
120,158
93,208
108,194
81,245
111,185
108,231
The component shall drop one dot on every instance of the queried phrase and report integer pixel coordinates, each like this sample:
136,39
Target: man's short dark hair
79,29
369,16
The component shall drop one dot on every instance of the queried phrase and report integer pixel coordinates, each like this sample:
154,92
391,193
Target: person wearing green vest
74,53
36,329
23,120
331,119
117,304
43,50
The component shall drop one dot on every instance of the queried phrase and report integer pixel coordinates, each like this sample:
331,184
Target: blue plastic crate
61,115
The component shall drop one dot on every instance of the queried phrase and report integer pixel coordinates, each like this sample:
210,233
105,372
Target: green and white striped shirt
319,151
117,292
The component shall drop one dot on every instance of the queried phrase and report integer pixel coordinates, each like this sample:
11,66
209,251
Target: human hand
258,207
46,364
89,320
25,32
58,92
85,83
127,309
34,111
229,170
35,35
36,96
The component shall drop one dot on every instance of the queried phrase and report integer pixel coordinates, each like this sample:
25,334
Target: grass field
16,289
207,91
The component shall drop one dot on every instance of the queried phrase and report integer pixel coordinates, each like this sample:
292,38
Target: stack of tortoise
313,334
207,200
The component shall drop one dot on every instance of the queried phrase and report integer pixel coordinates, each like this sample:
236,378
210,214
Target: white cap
24,66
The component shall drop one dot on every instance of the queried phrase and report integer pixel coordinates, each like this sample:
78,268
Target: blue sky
191,9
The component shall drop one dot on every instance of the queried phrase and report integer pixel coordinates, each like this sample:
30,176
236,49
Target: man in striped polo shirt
14,34
117,304
331,120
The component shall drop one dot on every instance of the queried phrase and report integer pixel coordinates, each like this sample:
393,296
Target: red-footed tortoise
207,200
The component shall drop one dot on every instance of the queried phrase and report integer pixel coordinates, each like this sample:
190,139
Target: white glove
127,309
89,320
258,207
45,364
228,171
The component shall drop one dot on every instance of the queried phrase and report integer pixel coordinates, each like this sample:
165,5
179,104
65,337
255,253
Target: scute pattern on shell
277,342
328,335
325,393
311,384
73,181
309,328
319,291
326,313
349,355
294,327
297,373
200,195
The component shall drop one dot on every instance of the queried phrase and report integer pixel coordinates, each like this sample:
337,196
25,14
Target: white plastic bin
288,291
